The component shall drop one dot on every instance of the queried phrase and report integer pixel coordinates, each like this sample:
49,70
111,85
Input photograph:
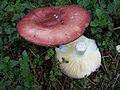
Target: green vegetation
25,66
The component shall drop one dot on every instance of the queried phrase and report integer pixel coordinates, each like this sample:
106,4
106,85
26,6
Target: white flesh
82,55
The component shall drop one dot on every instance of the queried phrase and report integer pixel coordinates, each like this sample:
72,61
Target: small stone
118,48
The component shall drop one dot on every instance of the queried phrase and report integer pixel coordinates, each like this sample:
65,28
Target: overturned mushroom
79,58
57,25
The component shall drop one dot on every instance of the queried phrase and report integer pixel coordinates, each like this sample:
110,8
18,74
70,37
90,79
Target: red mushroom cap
55,25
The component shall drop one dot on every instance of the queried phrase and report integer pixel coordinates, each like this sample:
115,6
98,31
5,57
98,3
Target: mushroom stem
81,48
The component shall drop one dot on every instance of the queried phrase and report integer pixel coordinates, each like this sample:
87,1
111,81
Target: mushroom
79,58
59,25
56,25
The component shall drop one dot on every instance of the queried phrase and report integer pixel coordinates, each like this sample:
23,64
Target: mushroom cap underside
75,64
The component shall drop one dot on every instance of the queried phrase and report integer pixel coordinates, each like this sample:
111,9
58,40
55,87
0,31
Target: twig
49,88
111,56
41,73
64,84
81,88
117,64
90,81
33,53
116,80
60,83
117,28
32,67
104,66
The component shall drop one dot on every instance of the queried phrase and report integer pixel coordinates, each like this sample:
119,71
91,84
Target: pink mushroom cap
56,25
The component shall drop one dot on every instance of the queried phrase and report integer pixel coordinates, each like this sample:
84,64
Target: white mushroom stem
82,55
81,47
